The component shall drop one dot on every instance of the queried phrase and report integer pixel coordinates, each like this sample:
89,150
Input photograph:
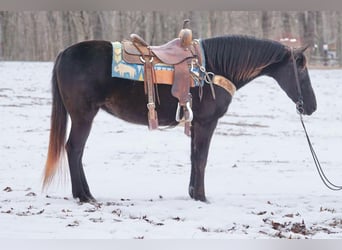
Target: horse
82,85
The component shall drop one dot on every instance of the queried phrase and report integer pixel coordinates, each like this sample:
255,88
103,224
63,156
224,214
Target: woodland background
40,35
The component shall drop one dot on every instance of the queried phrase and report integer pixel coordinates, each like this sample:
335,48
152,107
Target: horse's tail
57,130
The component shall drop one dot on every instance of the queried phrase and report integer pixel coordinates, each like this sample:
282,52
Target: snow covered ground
261,181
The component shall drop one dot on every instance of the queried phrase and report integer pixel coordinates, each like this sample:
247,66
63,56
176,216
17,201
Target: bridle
300,111
300,102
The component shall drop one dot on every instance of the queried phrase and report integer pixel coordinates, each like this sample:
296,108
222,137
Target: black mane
241,58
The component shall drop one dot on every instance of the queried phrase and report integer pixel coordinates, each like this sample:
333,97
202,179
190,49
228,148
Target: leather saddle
171,53
179,52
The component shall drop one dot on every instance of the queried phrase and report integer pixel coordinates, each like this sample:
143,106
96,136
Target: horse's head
241,59
295,87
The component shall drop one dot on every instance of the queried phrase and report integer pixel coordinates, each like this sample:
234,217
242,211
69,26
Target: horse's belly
136,111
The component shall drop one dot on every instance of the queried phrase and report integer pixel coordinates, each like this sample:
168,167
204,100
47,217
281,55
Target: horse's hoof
200,198
85,198
196,197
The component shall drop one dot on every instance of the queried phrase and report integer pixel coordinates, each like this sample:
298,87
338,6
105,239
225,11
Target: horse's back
89,57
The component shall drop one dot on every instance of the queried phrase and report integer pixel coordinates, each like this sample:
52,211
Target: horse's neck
240,77
240,83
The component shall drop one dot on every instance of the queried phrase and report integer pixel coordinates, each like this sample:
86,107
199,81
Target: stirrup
186,108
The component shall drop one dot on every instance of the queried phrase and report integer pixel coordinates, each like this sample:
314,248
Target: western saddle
182,53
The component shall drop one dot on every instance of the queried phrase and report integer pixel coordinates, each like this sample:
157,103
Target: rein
300,111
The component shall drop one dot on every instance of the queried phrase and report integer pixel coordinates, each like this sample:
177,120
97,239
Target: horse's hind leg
79,132
201,135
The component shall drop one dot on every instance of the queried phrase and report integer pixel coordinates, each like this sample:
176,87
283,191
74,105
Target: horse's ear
303,48
299,55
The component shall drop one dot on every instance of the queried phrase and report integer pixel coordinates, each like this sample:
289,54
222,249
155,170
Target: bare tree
2,22
286,23
39,35
266,24
319,34
339,39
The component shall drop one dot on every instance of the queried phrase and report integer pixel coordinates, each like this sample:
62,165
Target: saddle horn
186,24
185,34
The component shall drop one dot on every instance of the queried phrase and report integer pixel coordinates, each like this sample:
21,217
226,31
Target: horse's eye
301,61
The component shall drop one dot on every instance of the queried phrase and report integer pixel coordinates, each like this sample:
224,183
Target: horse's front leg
201,134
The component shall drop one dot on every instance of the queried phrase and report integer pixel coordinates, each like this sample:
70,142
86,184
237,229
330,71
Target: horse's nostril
310,110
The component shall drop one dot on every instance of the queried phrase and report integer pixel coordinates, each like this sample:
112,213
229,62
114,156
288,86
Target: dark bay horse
82,84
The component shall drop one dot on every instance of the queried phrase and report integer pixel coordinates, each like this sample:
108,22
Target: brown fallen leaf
73,224
41,211
203,229
277,225
31,194
8,189
261,213
299,228
96,220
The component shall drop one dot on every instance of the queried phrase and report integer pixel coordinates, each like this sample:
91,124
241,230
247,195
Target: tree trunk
286,24
266,24
309,34
320,40
2,40
339,39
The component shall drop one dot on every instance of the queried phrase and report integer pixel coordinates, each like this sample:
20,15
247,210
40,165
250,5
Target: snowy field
261,181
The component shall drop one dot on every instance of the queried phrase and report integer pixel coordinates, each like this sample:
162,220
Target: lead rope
323,177
300,111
